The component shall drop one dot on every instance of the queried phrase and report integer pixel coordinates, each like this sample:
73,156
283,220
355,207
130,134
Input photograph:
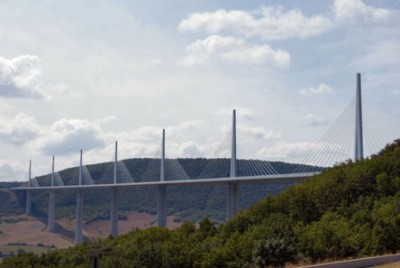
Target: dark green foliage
9,203
272,252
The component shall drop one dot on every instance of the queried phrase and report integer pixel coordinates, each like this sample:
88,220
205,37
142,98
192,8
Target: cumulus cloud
241,112
17,128
19,77
320,89
189,149
258,55
67,136
233,50
187,125
268,23
380,55
11,172
285,150
258,133
107,119
357,9
313,120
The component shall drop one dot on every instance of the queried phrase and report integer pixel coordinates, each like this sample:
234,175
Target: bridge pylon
233,188
28,207
51,220
114,197
79,208
162,189
359,148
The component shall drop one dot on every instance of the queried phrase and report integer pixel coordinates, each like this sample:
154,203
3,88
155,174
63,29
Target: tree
272,252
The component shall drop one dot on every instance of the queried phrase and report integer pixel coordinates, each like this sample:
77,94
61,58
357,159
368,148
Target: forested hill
350,210
189,203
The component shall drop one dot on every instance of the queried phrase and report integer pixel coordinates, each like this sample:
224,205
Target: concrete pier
233,199
28,205
114,197
79,208
79,218
51,221
162,206
114,212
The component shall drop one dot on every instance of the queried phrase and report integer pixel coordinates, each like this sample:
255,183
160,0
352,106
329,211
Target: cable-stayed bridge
231,172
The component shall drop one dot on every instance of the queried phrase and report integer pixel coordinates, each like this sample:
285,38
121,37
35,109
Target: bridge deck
248,179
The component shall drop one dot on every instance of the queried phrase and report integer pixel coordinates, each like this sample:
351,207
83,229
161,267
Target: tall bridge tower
359,148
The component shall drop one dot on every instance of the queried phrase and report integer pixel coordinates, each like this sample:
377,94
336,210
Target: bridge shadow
59,229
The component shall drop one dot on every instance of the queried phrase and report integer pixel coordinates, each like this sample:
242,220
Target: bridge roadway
236,180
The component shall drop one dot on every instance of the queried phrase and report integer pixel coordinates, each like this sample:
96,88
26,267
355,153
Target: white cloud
269,23
188,125
19,77
313,120
320,89
241,112
258,55
380,55
357,9
107,119
200,51
18,129
258,133
213,43
12,172
68,136
285,150
189,149
233,50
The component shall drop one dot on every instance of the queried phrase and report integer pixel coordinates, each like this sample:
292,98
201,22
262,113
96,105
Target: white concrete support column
51,221
359,150
79,217
233,188
233,199
162,206
114,198
162,189
79,208
28,208
114,212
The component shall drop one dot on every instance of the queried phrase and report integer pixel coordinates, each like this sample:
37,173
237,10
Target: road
359,263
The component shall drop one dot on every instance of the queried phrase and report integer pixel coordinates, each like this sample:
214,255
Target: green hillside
350,210
188,203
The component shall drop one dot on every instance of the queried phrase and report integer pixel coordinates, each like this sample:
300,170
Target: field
29,234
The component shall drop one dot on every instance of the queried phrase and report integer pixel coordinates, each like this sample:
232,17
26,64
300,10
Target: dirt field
141,220
32,231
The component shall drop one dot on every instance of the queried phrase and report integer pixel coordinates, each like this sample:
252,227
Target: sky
84,74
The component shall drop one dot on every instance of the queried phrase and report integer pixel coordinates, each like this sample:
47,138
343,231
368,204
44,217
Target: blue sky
82,74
